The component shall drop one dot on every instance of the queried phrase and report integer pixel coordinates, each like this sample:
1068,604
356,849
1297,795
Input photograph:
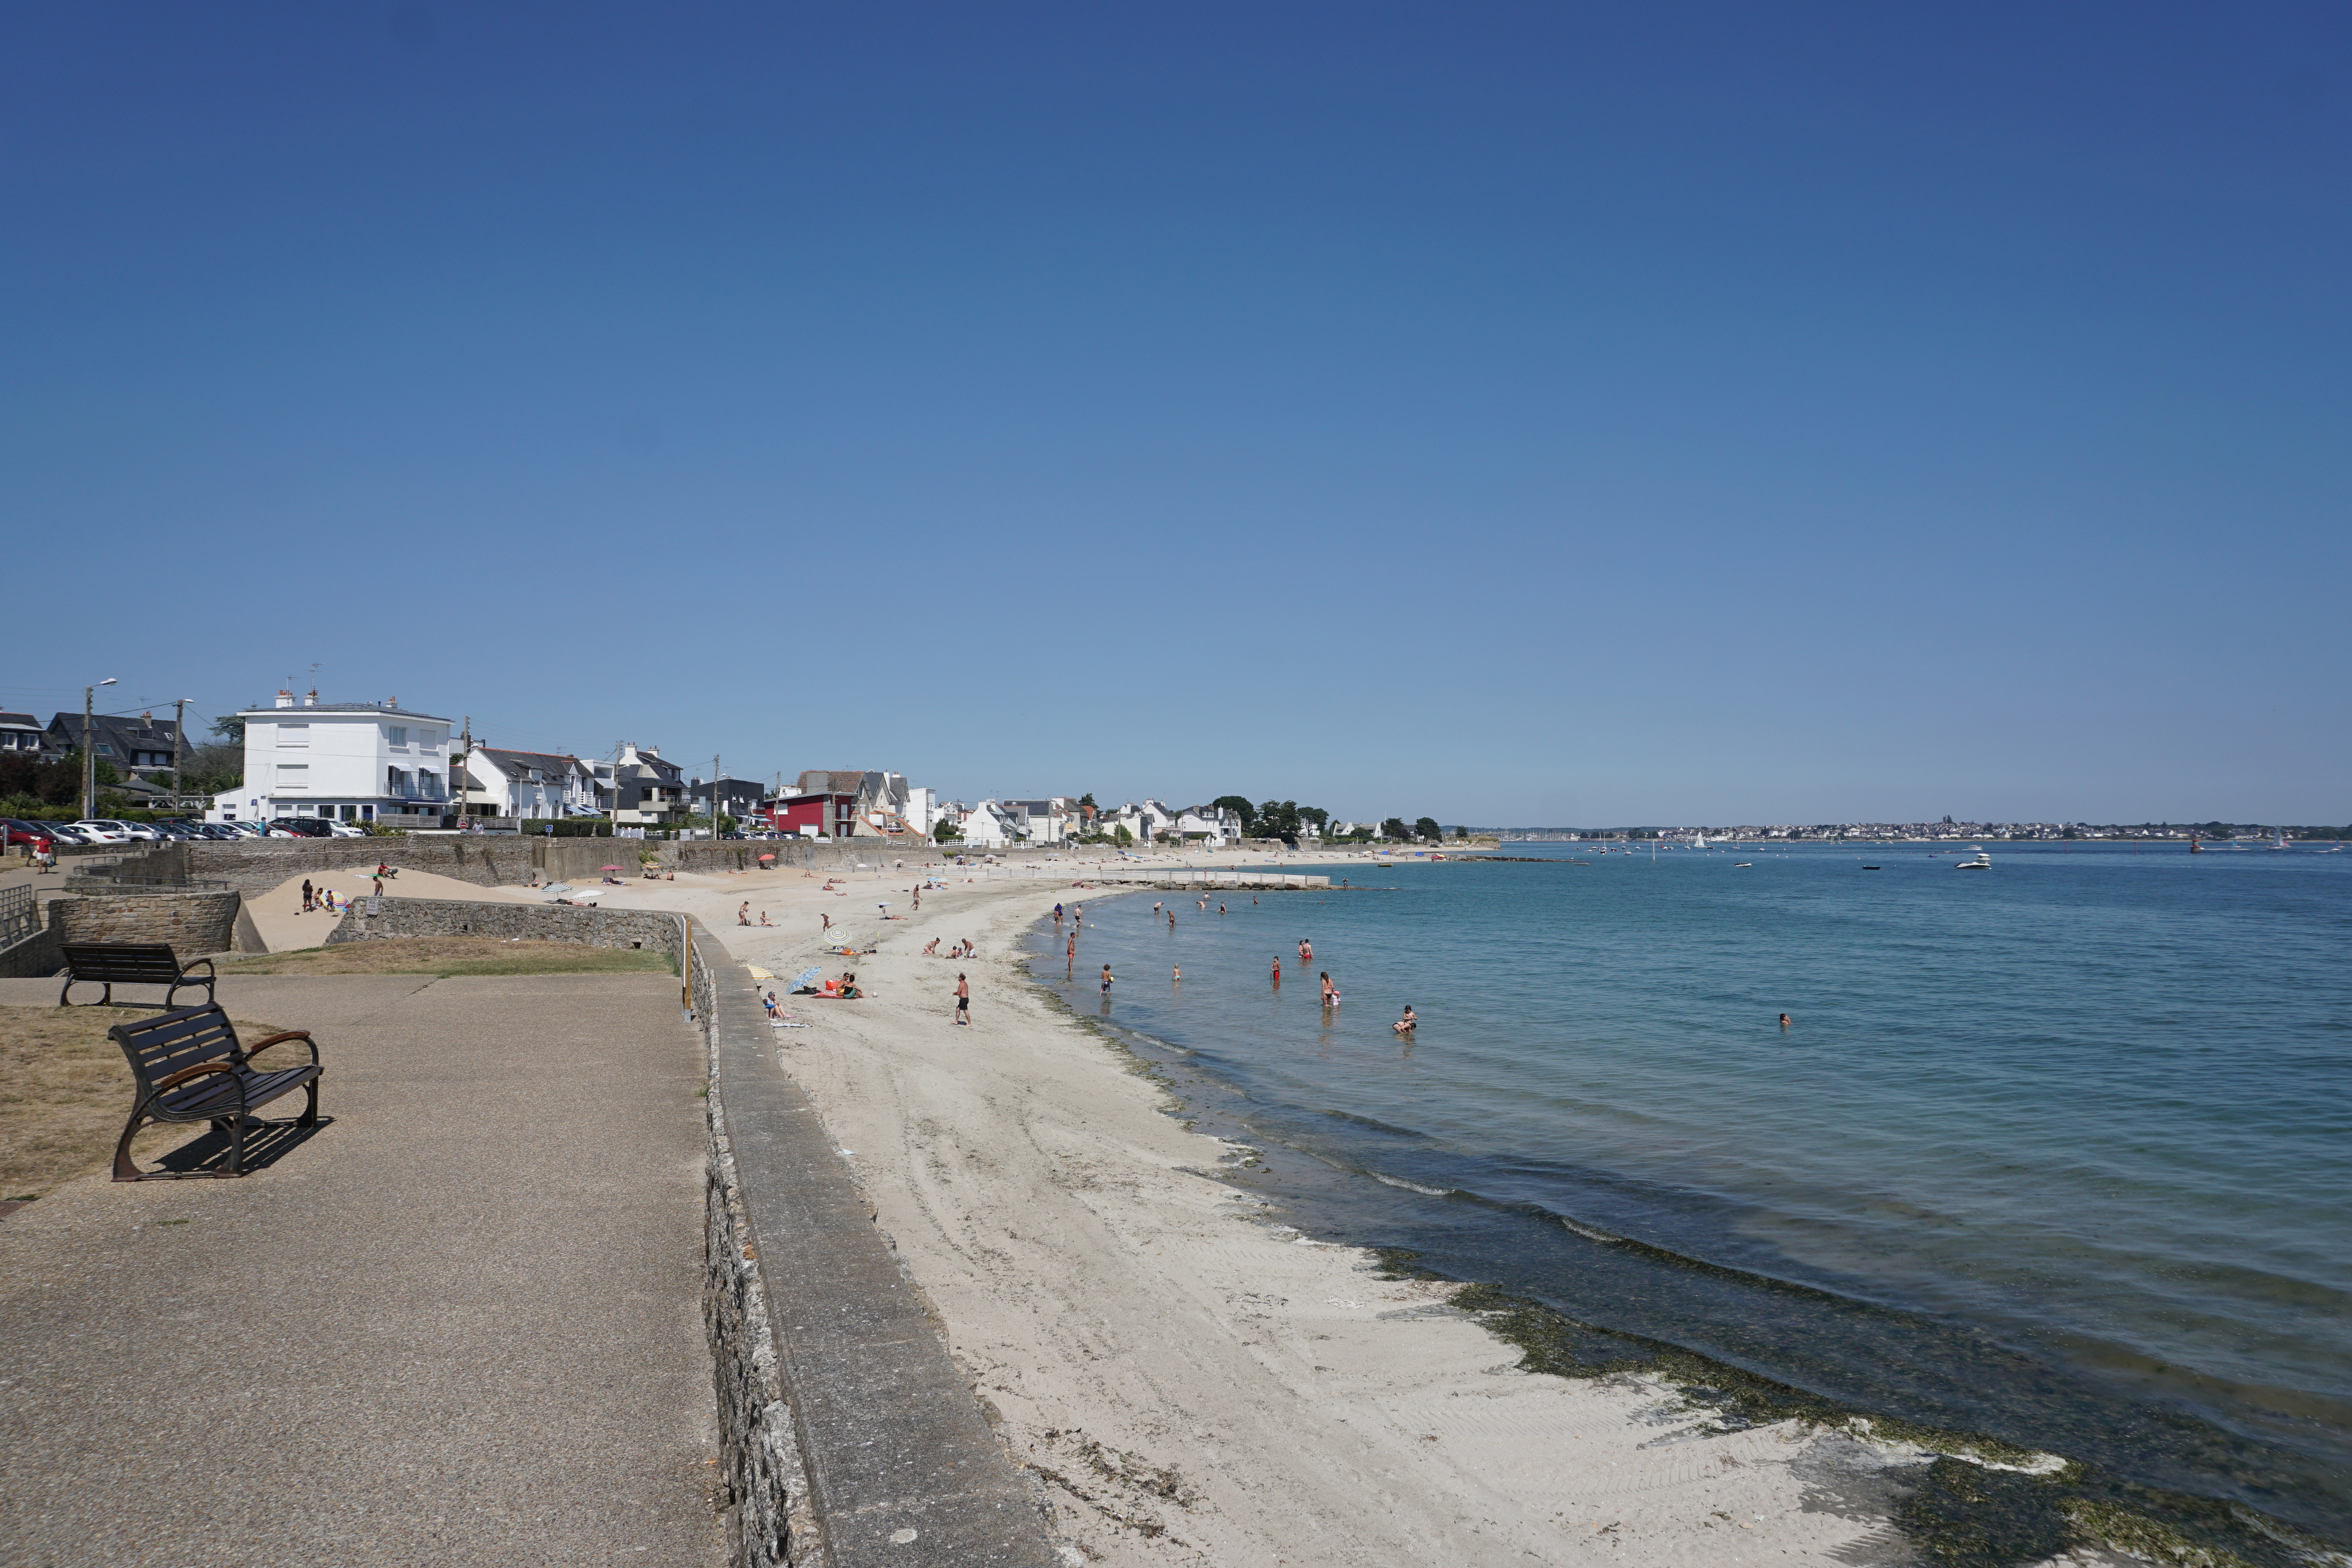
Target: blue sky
1511,414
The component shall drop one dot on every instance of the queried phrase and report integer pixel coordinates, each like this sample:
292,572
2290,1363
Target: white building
527,786
1147,823
990,826
1044,821
922,810
356,762
1214,825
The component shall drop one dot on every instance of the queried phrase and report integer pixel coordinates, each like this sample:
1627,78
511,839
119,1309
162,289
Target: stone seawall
253,866
194,924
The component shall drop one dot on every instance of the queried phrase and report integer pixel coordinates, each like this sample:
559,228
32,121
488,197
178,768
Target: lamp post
89,752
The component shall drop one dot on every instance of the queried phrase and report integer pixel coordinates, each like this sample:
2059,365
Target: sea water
2059,1151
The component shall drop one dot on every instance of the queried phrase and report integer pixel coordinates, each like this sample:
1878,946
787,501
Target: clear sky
1514,413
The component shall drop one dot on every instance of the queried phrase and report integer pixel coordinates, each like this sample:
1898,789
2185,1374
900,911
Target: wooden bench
190,1068
132,964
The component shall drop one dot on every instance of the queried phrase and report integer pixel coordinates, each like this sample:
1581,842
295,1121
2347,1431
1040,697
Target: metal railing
20,916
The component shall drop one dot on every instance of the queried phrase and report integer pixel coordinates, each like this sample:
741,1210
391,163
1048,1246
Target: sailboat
1698,841
2279,841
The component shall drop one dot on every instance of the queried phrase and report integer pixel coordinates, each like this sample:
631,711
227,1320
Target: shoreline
1189,1380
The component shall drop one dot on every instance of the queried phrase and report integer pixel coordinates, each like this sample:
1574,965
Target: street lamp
89,752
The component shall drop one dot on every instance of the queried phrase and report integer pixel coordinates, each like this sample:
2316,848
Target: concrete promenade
461,1325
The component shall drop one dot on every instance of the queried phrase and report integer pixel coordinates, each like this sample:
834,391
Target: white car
346,831
100,831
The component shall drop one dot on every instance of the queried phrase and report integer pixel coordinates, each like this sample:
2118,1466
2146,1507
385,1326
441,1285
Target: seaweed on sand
1970,1501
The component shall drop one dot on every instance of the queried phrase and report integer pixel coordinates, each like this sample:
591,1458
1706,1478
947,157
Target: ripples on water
2058,1151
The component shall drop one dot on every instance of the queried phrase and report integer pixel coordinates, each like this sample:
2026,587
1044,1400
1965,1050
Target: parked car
38,837
243,830
98,831
139,832
67,833
298,828
346,831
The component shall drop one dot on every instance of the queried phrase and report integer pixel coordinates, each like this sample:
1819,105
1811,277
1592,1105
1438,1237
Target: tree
1394,827
230,728
1427,828
1120,835
1317,815
946,832
1088,799
1240,805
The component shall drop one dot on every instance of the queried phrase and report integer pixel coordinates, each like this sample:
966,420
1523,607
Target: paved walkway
459,1325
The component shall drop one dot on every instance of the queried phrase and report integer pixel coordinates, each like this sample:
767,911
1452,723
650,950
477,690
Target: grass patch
65,1090
447,955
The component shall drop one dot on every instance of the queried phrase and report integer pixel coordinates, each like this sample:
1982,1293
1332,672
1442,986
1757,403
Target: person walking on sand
963,1000
306,895
1408,1024
825,929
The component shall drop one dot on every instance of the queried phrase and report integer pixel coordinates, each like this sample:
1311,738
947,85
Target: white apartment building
356,762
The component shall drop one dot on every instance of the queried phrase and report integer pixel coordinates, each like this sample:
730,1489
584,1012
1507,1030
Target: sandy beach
1189,1380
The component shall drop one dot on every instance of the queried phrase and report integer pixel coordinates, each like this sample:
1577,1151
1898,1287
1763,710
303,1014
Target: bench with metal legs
190,1068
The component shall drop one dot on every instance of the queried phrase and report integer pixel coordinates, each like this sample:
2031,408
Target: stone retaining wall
194,924
37,955
533,922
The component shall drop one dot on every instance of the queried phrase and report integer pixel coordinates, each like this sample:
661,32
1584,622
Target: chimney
391,702
148,717
311,700
285,699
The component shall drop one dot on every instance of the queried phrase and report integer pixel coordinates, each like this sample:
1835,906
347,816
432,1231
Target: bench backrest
184,1036
128,961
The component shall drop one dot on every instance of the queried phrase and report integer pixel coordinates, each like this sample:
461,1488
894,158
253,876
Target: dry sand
1192,1382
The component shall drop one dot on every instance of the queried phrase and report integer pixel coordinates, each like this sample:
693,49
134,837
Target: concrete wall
194,924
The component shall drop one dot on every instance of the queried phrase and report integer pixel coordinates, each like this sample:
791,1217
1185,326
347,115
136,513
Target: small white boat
1982,862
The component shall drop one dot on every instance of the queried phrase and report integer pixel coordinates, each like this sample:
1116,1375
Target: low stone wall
194,924
743,855
531,922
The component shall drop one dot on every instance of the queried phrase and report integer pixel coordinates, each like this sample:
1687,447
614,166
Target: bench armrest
189,968
174,1080
258,1046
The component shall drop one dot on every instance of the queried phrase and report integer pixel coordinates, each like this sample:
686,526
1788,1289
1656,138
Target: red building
831,813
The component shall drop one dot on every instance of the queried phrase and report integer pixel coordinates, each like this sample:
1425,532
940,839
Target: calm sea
2061,1152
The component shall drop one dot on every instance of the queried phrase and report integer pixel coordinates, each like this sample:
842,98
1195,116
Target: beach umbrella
608,868
805,978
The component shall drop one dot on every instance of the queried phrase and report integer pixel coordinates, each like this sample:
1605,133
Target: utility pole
89,751
463,770
179,730
714,796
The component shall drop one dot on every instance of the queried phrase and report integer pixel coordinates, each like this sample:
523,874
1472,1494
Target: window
294,734
104,749
397,734
293,776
